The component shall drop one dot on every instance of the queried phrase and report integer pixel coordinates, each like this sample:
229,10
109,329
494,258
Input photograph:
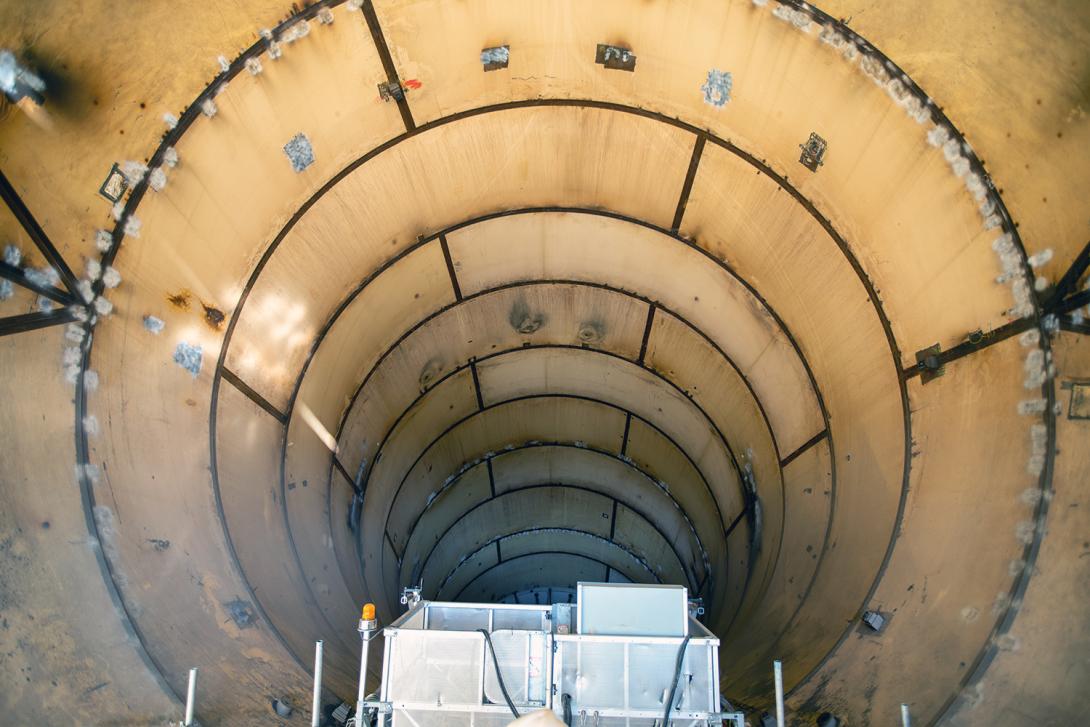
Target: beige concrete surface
548,323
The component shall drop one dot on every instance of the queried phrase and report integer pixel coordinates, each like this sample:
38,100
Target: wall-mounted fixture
813,152
875,620
391,91
615,58
114,186
1079,408
929,363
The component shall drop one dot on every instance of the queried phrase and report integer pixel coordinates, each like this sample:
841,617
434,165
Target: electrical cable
677,676
499,677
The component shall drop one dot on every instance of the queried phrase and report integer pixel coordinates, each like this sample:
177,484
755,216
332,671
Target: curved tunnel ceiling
556,321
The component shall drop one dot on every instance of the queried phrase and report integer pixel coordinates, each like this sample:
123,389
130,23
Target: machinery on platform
622,655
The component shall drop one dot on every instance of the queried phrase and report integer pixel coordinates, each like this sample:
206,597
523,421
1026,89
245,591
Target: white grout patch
1031,496
13,255
1027,407
274,48
132,226
72,356
42,277
134,172
103,240
798,18
111,278
157,179
295,31
89,471
1025,531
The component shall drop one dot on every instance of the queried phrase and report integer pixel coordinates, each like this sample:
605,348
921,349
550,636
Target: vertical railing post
191,698
316,703
905,721
361,691
777,670
367,626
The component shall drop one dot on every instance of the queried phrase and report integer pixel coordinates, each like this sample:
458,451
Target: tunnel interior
495,298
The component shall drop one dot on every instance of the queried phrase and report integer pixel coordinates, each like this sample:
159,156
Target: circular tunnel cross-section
420,294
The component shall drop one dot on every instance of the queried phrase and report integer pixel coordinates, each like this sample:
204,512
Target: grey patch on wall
591,332
717,88
523,320
159,544
154,325
299,151
188,357
241,612
493,59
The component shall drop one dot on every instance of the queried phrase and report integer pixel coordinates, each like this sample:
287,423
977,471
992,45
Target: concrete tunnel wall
555,322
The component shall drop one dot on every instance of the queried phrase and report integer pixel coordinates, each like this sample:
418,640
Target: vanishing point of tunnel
305,304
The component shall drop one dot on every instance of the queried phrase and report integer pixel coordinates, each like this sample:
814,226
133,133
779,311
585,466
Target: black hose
673,688
499,677
565,699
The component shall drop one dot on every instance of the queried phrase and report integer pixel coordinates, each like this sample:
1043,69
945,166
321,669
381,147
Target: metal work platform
612,659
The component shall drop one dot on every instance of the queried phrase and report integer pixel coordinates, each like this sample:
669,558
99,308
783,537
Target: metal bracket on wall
929,363
115,184
391,91
813,152
615,58
874,621
1079,406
